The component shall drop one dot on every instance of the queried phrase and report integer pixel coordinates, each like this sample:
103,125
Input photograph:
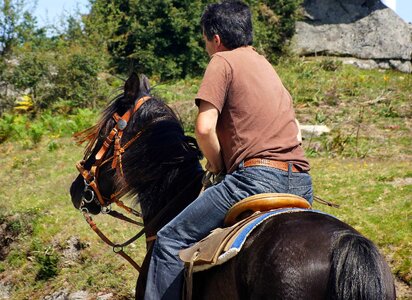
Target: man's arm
207,138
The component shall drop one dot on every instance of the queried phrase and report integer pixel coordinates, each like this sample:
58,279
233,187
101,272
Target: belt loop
241,165
290,169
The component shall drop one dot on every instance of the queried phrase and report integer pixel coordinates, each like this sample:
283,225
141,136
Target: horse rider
246,130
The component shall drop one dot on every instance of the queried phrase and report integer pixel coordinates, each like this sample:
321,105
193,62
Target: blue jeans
207,212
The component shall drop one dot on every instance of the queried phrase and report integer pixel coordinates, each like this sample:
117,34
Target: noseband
91,191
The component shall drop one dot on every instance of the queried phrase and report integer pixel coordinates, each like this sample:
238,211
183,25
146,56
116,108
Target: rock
403,66
313,130
71,252
362,29
59,295
399,182
105,296
5,291
81,295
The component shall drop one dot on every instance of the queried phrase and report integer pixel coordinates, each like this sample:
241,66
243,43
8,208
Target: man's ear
218,43
216,40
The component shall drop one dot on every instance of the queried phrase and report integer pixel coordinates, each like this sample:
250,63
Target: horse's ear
144,85
132,88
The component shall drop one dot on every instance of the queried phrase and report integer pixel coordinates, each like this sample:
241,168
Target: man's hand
213,169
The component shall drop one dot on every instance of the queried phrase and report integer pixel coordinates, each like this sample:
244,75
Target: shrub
48,265
30,132
75,80
36,133
6,127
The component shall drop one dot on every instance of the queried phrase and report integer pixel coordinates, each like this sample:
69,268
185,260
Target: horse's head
97,184
137,147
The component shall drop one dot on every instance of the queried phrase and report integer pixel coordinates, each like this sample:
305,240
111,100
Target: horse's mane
92,134
157,159
162,160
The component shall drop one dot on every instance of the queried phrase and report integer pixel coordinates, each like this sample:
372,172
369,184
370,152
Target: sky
48,11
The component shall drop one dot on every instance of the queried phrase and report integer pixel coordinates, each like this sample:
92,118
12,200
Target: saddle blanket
225,243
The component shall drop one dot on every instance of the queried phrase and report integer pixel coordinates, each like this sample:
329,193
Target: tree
274,25
16,25
162,38
157,37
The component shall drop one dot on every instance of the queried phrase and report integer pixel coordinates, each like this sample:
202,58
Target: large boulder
365,30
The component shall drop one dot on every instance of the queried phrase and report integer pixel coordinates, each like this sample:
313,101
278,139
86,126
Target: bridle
91,192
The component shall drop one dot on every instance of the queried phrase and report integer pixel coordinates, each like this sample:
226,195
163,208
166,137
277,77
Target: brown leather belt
281,165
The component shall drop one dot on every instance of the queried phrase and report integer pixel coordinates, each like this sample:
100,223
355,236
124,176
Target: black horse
304,255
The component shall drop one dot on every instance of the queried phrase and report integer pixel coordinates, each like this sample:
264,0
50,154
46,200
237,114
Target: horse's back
287,257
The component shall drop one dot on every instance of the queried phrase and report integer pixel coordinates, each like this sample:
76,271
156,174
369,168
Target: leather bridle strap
116,248
119,127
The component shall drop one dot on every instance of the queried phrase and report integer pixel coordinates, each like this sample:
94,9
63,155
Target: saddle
215,248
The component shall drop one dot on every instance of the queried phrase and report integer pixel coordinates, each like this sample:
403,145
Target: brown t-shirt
256,117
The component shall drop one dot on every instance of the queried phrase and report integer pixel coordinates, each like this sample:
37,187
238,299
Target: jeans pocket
264,180
301,184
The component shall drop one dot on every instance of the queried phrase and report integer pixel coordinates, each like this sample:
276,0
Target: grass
37,188
364,165
372,203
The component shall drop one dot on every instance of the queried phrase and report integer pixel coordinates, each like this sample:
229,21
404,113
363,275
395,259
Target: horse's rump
286,257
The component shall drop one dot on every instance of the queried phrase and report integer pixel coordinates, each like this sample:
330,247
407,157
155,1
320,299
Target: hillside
364,164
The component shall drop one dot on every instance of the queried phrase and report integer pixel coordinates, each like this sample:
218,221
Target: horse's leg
141,280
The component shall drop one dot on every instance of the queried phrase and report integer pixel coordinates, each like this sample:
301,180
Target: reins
118,248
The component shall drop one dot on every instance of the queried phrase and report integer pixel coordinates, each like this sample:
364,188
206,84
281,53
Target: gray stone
59,295
384,65
81,295
105,296
362,29
313,130
403,66
5,291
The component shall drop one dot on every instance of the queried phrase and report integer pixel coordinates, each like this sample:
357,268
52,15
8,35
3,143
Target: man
245,128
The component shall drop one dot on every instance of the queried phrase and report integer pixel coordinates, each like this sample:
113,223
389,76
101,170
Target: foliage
16,25
29,132
163,38
274,25
66,67
48,266
157,37
76,79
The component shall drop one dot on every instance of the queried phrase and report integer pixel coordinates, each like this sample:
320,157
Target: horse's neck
167,204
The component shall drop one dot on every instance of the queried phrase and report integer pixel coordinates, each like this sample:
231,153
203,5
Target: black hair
231,20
